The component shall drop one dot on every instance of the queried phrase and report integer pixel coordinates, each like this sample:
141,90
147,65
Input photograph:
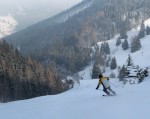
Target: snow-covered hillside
140,57
7,25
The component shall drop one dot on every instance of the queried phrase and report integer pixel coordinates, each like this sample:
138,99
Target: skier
106,85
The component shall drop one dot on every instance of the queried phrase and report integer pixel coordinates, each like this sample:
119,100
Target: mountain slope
97,20
63,40
140,57
84,102
51,39
44,32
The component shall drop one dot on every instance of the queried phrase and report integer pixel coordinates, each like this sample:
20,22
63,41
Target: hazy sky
27,12
53,5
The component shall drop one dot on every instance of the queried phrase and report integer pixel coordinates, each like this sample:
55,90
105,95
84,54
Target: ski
108,95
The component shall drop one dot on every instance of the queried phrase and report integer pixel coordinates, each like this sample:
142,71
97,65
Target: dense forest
24,78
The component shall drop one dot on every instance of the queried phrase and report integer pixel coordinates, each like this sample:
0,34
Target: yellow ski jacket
104,81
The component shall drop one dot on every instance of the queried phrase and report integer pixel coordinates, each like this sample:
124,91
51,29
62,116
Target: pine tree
142,31
135,44
122,73
96,70
118,42
125,44
108,62
99,58
123,33
113,64
147,30
105,48
129,61
102,49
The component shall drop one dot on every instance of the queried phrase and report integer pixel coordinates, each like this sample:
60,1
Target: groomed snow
84,102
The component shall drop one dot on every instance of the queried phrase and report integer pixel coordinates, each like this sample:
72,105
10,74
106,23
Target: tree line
23,78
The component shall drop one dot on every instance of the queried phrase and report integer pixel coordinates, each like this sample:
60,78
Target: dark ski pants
107,92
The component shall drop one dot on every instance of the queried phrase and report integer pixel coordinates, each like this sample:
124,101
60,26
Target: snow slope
85,102
140,57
